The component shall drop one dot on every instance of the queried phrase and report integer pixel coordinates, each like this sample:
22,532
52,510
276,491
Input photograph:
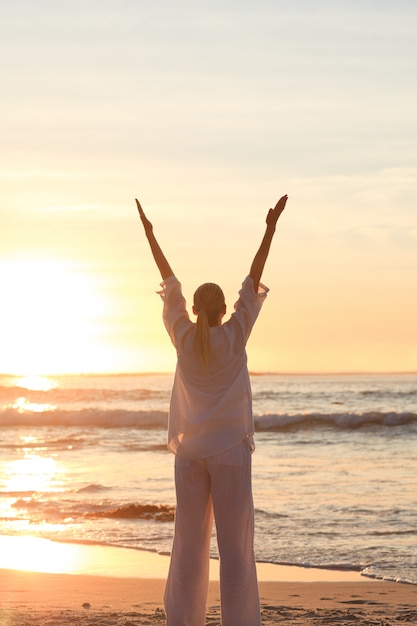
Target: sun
49,317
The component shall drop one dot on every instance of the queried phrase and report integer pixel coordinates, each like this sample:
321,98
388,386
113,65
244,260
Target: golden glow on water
22,405
36,383
34,554
29,553
32,473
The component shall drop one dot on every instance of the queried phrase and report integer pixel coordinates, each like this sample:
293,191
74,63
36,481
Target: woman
210,431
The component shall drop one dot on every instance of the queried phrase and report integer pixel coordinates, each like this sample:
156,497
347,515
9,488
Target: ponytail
201,343
208,304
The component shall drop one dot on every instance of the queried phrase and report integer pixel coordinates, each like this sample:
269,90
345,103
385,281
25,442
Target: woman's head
209,306
209,299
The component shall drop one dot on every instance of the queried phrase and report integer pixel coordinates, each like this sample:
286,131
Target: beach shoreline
37,554
109,586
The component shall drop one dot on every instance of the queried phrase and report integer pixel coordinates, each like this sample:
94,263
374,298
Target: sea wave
156,512
42,507
341,420
59,395
369,572
123,418
93,488
100,418
69,443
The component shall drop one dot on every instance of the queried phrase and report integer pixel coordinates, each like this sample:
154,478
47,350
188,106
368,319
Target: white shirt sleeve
175,316
248,306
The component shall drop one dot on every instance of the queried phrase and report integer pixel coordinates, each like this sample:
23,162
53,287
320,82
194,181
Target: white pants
221,484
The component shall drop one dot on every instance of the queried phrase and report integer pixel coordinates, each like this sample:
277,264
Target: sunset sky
208,112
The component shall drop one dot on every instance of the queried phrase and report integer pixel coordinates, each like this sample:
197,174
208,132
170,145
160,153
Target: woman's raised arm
259,260
160,259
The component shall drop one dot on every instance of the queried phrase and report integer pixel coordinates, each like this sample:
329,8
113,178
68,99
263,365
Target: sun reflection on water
23,405
36,383
33,384
32,473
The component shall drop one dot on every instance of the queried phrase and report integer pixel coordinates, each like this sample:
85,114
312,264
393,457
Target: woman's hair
208,304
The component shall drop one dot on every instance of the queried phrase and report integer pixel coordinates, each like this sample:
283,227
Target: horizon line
251,373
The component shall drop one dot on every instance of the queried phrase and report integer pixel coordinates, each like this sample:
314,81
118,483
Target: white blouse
210,411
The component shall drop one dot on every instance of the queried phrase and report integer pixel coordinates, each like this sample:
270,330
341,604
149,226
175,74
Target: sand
115,587
37,599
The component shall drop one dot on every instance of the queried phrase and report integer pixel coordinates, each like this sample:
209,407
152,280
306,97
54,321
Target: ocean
84,459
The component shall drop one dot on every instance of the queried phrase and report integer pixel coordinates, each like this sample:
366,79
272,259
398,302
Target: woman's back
211,403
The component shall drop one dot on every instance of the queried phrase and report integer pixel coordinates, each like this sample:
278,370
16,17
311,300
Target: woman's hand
273,214
146,223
